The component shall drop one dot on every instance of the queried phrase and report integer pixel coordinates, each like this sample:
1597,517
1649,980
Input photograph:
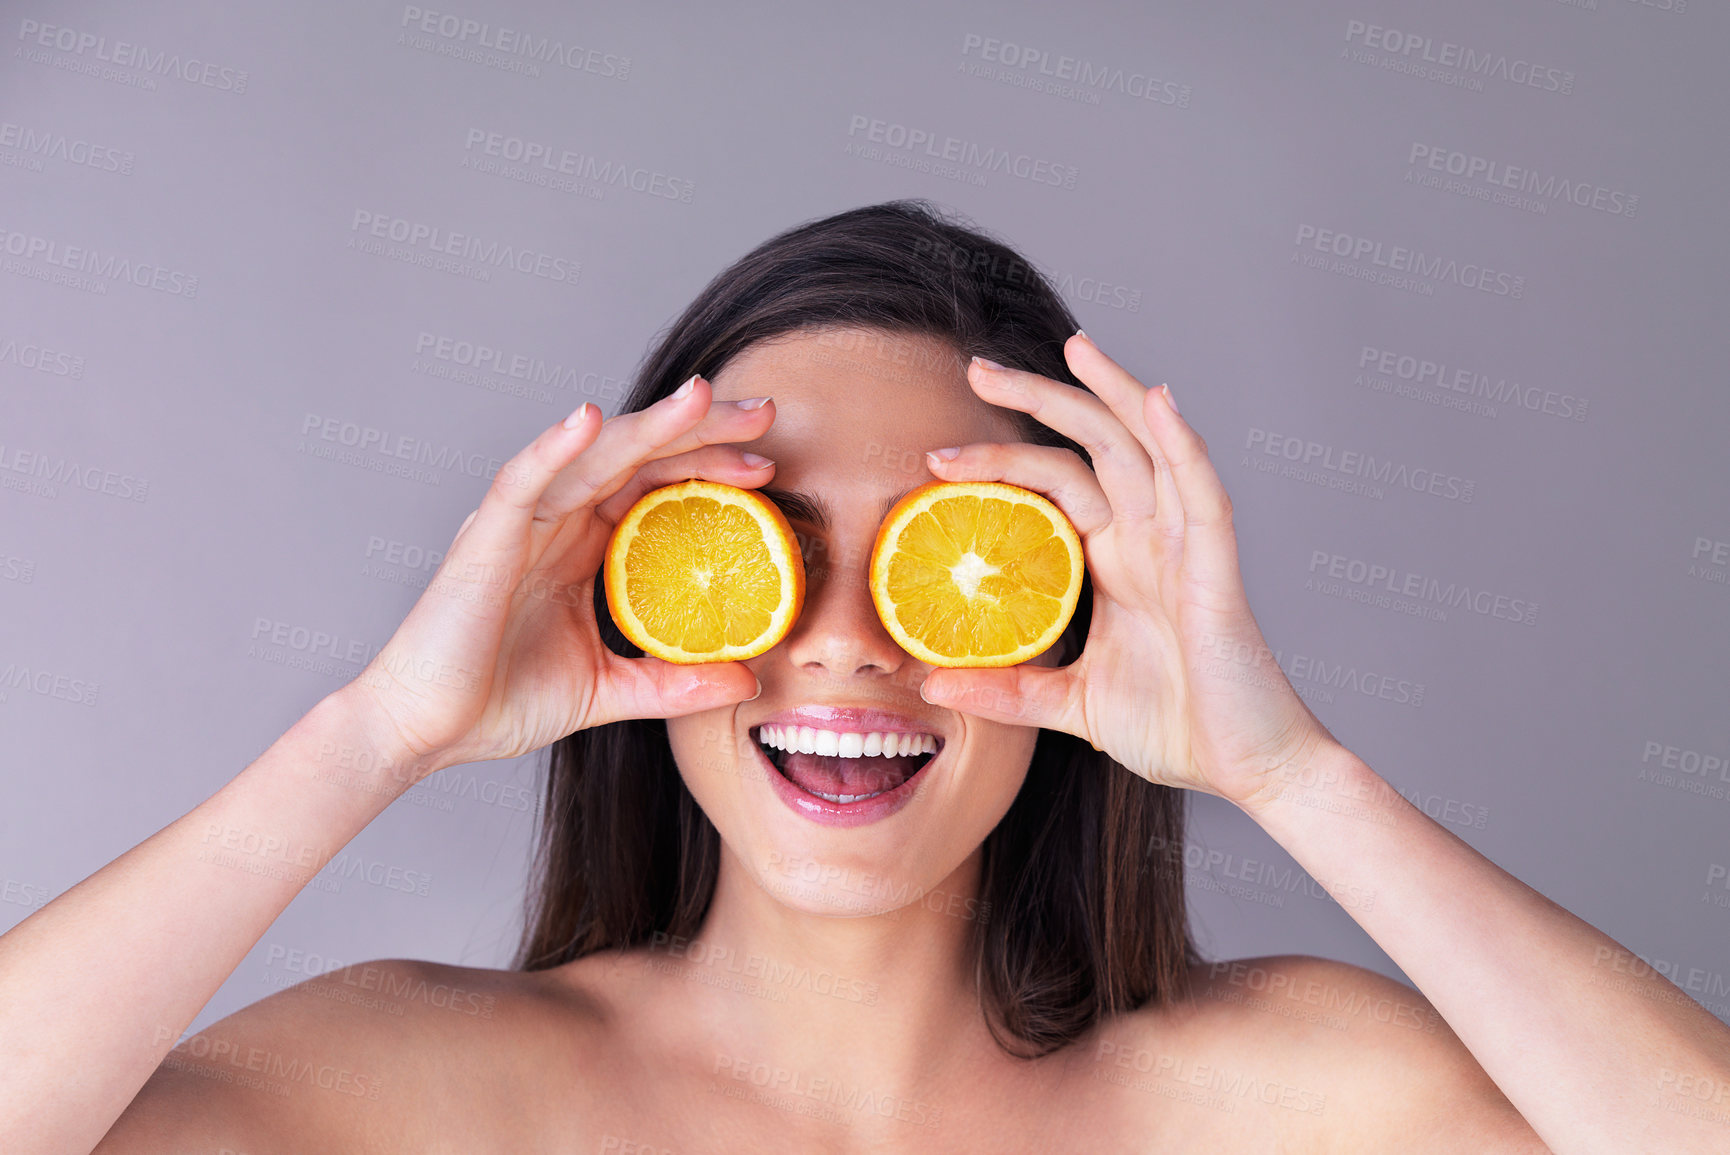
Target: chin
850,810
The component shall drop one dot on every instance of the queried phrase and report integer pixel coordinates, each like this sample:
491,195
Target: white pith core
968,571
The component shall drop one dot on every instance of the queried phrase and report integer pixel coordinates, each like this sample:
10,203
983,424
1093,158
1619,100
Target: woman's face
855,412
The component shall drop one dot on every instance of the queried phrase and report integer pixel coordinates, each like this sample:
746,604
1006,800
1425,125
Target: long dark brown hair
1078,927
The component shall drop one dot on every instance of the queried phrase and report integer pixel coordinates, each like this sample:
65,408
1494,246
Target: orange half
975,573
704,572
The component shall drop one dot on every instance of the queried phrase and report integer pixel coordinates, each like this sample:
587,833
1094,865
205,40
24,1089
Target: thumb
649,687
1015,695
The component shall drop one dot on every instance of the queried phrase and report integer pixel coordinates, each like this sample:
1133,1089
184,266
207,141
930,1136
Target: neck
885,1002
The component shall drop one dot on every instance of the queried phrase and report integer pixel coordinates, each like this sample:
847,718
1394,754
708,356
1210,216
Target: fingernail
944,454
752,403
581,413
924,695
1082,333
685,389
988,362
758,461
1168,397
759,692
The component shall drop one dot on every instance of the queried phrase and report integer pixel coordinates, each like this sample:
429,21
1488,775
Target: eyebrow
813,510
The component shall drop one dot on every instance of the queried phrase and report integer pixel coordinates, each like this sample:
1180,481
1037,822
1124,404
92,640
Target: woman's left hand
1175,680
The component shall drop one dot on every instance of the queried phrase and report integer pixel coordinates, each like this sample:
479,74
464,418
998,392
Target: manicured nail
684,390
1082,333
923,694
752,403
581,414
758,461
944,454
988,362
1168,399
758,694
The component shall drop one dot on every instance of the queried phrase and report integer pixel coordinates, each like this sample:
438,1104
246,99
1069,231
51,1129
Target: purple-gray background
1482,244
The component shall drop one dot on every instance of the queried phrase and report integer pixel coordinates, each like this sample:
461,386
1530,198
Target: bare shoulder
387,1048
1322,1055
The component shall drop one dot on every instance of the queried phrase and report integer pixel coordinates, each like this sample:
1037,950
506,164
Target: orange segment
976,573
704,572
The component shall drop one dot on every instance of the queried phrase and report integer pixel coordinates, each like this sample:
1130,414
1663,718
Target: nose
838,633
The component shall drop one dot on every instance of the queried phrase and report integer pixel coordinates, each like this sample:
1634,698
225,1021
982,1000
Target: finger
1111,383
727,464
498,527
1127,399
1122,464
1060,474
648,687
1210,541
670,426
1024,695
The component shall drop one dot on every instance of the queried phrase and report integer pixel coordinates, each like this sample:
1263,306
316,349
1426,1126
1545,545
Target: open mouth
843,766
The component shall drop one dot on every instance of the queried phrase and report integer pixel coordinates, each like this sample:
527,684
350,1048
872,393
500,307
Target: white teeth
846,744
842,797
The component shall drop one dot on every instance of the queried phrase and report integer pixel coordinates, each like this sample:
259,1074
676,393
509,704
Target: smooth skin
731,1044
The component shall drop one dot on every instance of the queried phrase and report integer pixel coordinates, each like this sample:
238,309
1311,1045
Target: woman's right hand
502,655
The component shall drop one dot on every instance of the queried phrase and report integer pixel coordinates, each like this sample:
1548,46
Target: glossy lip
850,720
845,720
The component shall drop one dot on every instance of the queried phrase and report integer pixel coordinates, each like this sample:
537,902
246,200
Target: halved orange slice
975,573
704,572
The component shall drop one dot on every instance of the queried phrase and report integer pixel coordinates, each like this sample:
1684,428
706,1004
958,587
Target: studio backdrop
1442,285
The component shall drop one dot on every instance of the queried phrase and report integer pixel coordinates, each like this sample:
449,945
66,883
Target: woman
990,955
